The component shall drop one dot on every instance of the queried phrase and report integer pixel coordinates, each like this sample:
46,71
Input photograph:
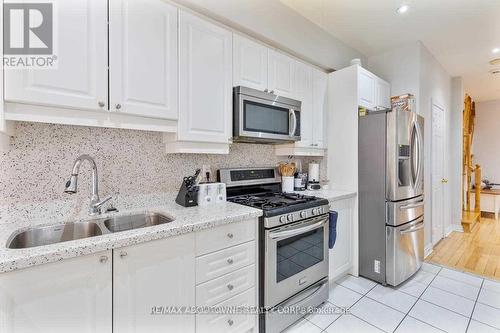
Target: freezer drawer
402,212
405,250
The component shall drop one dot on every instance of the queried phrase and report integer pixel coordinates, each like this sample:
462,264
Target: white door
143,58
205,83
303,91
154,274
437,144
81,46
249,63
366,89
320,83
72,295
281,74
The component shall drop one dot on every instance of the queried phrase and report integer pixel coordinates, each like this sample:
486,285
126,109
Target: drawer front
213,265
225,236
230,323
226,286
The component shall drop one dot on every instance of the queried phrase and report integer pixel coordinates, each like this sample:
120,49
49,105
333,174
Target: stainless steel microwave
260,116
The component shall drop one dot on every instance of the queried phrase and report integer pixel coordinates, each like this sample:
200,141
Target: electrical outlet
206,170
376,266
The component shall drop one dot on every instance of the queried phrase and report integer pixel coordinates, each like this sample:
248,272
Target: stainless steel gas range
293,244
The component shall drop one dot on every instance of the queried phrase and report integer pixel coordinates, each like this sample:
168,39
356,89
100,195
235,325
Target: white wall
487,139
280,26
411,68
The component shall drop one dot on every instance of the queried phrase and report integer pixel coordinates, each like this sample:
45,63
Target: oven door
296,256
258,120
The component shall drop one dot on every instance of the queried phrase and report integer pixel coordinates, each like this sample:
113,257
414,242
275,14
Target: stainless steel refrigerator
391,188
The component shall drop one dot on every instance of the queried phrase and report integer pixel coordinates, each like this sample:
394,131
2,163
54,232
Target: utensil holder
287,184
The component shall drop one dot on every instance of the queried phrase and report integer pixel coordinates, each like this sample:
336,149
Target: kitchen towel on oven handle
332,234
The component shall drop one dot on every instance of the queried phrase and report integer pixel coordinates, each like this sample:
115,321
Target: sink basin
53,234
123,223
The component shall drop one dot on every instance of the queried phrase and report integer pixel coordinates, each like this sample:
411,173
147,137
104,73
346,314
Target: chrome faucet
72,184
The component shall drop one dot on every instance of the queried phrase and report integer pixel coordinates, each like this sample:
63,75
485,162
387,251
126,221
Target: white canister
287,184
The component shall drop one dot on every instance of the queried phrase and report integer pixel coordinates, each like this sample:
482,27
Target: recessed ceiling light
495,50
403,9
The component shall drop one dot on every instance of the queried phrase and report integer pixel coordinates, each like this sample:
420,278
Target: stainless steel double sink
45,235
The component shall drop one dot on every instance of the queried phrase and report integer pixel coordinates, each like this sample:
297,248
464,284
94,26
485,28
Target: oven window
298,253
265,118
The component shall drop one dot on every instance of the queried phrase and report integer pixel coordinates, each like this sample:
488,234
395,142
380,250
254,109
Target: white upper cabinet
81,78
383,94
373,92
281,74
367,89
320,84
303,91
205,83
73,295
156,273
143,58
250,63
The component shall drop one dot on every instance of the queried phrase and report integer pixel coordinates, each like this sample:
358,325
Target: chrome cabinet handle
271,92
103,259
230,287
230,261
230,235
266,90
118,106
101,104
123,254
230,322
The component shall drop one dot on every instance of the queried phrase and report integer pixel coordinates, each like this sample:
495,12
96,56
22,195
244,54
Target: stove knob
303,214
313,211
290,217
283,219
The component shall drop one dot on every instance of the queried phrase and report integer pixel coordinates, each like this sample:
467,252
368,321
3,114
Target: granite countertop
331,195
186,220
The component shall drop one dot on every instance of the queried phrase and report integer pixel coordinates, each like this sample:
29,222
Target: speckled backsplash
129,162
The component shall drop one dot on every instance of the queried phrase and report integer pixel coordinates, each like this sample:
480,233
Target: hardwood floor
477,252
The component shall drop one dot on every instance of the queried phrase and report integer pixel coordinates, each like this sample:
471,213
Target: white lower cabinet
129,289
154,274
73,295
341,256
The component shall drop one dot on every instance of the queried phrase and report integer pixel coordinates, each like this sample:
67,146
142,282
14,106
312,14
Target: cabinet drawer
218,238
230,323
225,261
226,286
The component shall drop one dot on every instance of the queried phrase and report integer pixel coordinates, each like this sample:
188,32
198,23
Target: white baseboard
453,227
428,250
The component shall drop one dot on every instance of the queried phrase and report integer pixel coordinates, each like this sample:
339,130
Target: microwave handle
292,115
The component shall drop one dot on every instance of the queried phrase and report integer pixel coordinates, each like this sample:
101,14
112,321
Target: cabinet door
341,254
81,46
154,274
303,91
143,58
281,74
59,297
205,105
320,82
249,63
366,89
383,95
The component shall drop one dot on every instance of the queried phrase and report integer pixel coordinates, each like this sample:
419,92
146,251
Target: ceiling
459,33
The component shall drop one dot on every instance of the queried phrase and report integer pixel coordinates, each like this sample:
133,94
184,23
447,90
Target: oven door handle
297,231
292,115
